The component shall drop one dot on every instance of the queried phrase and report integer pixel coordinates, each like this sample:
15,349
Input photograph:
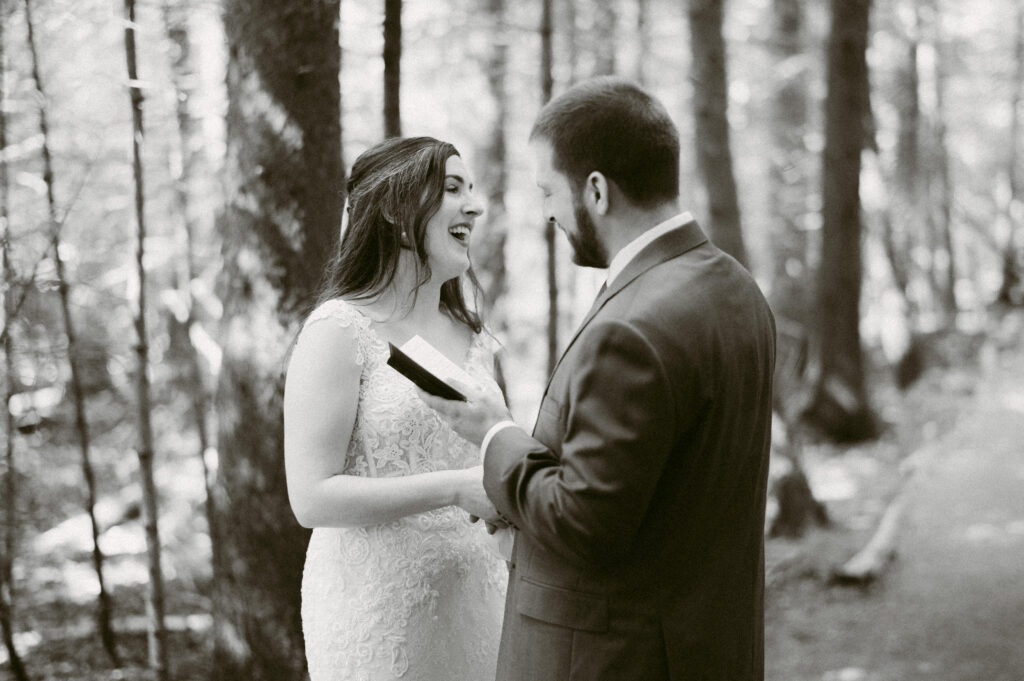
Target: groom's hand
473,418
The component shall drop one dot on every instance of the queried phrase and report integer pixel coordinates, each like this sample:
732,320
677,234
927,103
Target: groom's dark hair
613,126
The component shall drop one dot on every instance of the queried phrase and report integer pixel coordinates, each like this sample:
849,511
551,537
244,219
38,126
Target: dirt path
951,606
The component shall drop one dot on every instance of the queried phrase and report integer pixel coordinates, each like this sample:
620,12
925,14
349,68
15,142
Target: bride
398,582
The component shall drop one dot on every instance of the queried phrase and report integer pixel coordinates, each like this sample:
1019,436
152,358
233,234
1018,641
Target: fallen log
868,563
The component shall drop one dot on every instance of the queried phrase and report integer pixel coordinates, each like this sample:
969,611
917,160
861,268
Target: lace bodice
420,597
422,441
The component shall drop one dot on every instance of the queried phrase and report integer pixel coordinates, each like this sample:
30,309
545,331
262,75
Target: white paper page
433,360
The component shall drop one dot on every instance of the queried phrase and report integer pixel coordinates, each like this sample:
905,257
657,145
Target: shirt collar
633,248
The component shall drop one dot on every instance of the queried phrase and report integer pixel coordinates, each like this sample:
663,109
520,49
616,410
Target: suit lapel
665,247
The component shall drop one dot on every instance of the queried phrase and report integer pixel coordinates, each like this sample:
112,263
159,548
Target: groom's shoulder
676,286
691,292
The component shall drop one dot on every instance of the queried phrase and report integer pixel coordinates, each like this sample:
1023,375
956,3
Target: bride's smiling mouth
461,232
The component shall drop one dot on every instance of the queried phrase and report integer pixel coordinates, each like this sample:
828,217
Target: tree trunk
605,24
710,104
941,183
840,402
906,232
789,174
7,624
899,263
547,84
286,183
571,40
10,470
944,209
495,176
104,616
797,506
191,174
494,232
1011,291
392,67
643,39
789,165
908,147
905,222
7,629
156,629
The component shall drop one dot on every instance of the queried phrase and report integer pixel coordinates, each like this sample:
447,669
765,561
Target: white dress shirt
615,268
633,248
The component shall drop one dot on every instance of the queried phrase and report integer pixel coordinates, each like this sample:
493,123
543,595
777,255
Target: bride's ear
403,237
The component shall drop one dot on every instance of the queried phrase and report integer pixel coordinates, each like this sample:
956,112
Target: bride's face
448,230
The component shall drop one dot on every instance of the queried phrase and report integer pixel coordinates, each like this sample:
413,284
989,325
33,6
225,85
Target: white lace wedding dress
418,599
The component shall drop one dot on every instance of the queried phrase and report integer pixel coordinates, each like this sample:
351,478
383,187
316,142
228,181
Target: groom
639,498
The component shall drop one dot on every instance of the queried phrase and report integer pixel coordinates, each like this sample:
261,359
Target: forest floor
948,607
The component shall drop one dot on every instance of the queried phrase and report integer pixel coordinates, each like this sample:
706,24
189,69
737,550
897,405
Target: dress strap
347,316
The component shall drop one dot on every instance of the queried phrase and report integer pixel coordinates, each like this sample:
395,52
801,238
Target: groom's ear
595,191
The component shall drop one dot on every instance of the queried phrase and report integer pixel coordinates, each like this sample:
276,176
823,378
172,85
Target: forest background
172,178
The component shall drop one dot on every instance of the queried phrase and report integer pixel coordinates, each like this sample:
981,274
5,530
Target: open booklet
428,368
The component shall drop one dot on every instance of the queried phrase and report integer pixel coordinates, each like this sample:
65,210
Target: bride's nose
473,206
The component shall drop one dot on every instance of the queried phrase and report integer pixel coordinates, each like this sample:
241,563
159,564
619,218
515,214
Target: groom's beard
587,249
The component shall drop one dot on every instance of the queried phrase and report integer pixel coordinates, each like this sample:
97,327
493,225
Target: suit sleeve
587,506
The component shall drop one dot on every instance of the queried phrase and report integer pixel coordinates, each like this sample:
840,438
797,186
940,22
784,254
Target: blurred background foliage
937,228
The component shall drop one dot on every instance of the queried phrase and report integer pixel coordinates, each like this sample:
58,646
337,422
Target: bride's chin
449,275
454,270
461,273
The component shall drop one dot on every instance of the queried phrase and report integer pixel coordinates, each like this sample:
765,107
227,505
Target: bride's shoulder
335,328
339,310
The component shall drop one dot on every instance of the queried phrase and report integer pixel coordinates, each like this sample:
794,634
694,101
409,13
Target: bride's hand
471,497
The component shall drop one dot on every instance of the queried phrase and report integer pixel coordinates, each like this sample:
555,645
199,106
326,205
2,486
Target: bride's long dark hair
395,186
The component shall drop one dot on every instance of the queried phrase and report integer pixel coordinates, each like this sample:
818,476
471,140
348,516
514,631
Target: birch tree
104,610
190,173
10,470
155,626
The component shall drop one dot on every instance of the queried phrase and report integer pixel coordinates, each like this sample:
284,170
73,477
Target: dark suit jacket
639,500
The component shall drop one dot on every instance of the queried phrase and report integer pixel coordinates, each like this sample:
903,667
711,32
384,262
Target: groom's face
564,207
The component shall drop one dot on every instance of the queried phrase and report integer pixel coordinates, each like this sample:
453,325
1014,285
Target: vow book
428,368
